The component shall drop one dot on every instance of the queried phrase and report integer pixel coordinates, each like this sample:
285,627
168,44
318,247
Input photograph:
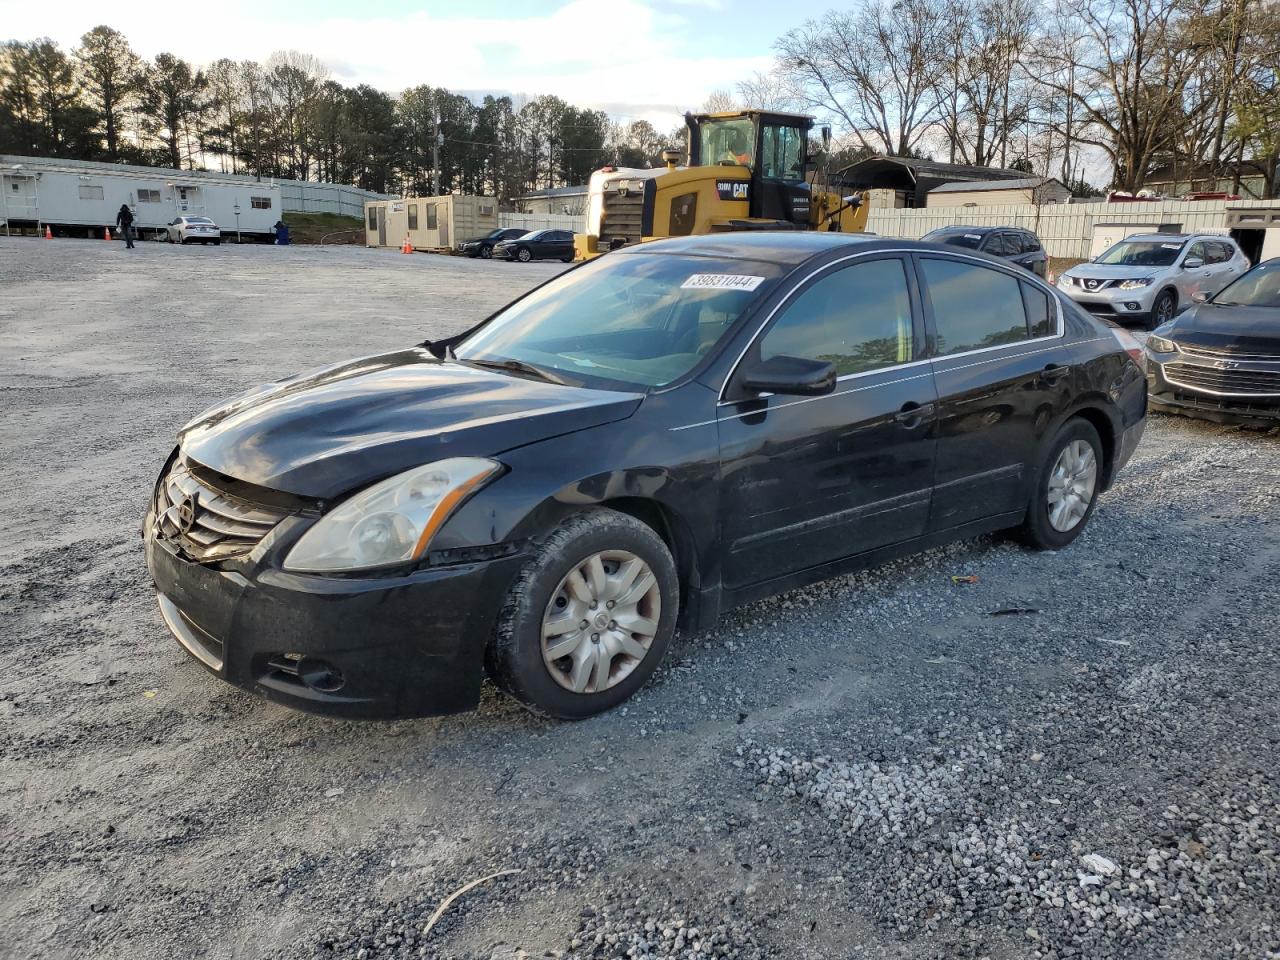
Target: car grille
622,219
1082,283
1099,308
1216,353
1230,382
195,510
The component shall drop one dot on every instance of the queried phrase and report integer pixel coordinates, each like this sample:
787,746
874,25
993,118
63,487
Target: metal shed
917,177
1035,190
429,223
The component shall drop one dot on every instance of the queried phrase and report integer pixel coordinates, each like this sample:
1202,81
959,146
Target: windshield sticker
721,281
1172,246
973,236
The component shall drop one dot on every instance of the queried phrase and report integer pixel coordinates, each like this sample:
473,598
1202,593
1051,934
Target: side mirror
1192,263
1202,296
793,376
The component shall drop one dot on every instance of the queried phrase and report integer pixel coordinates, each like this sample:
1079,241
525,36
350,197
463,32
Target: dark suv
1016,244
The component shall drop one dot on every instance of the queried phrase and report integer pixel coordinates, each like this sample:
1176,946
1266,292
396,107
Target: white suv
1150,277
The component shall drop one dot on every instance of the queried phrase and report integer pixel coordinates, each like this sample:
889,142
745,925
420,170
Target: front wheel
1067,487
486,253
523,255
588,618
1163,309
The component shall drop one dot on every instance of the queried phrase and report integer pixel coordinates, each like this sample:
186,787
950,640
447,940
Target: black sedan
1220,360
1015,244
641,443
483,246
537,245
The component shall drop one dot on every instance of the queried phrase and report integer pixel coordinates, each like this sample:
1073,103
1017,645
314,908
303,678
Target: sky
636,59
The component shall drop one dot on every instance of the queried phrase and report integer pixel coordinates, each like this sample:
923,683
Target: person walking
124,222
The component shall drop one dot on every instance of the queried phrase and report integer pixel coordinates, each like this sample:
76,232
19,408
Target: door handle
914,414
1054,372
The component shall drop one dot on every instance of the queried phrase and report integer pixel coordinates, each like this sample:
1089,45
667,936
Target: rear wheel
589,617
523,255
1067,487
1163,309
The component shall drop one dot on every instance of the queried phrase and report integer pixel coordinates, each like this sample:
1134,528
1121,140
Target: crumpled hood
1252,330
324,433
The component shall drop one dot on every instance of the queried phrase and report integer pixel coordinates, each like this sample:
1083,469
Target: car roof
780,246
1180,237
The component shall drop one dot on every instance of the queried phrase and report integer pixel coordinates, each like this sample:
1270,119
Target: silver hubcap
600,622
1071,485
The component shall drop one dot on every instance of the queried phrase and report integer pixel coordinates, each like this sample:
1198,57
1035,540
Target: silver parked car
192,230
1148,278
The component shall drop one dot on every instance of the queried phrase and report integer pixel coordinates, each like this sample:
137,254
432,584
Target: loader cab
772,146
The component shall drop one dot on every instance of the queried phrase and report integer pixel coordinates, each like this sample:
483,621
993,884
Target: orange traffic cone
106,233
1052,278
48,232
407,247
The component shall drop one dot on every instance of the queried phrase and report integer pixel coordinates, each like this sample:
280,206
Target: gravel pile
943,840
641,928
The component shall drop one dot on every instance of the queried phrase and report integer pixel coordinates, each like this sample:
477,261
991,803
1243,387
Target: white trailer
79,198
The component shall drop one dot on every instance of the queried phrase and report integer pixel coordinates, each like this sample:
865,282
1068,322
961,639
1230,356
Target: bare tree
768,91
1130,77
719,101
877,68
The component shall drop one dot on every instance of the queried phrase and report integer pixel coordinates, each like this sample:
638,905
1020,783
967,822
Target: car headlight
391,522
1064,281
1135,283
1161,345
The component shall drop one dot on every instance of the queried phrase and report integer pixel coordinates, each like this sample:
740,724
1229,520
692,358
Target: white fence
1066,230
543,221
302,196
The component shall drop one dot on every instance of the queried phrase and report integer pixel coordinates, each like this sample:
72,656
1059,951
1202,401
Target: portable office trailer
80,198
430,223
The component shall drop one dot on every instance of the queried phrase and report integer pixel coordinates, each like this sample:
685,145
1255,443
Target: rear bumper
385,647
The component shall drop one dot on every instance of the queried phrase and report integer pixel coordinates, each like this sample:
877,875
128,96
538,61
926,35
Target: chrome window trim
945,254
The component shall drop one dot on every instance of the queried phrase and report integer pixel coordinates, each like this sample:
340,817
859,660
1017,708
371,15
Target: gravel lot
1075,757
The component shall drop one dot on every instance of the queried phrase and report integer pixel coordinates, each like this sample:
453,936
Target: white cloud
625,55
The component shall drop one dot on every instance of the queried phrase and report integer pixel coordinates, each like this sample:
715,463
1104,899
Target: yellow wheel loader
746,170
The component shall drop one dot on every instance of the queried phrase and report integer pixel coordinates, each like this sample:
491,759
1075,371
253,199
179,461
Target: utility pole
435,156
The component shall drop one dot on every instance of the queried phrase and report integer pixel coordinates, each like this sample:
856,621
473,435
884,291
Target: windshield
727,141
641,319
1260,287
955,238
1143,253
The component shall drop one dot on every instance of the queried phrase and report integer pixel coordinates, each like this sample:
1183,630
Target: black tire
217,243
524,255
514,655
1163,309
486,253
566,259
1036,530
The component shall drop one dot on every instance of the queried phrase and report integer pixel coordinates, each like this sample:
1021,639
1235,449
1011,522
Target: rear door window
857,317
974,307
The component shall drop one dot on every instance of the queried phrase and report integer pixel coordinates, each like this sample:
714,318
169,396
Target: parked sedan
192,230
1014,244
1221,359
483,246
643,442
1149,278
537,245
